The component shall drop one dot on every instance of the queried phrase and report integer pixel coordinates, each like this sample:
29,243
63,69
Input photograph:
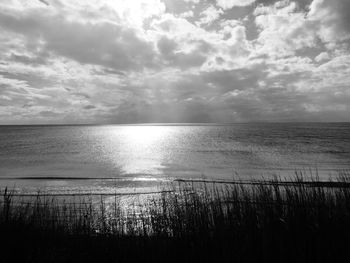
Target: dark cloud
341,9
44,2
30,80
81,95
49,114
239,79
302,4
102,43
107,71
38,59
172,57
89,107
167,46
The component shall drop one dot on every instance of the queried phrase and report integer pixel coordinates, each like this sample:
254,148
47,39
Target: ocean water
128,157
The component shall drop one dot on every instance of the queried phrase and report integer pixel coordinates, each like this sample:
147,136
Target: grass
261,221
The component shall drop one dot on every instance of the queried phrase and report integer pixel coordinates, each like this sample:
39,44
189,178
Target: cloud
333,19
44,2
174,61
283,30
186,14
209,15
322,57
192,1
88,43
228,4
89,107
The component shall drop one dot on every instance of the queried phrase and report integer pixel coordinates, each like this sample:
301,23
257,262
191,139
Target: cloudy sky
139,61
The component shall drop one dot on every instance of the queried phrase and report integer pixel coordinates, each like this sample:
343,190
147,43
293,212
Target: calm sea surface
72,158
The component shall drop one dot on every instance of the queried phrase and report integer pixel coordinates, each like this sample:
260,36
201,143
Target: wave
61,178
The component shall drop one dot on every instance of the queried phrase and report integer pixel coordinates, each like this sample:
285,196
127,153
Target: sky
174,61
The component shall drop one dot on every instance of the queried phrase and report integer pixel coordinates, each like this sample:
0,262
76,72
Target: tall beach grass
190,221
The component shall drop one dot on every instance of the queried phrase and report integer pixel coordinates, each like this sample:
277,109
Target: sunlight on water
144,135
140,149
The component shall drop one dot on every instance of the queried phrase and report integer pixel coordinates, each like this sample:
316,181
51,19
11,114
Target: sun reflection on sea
139,149
145,135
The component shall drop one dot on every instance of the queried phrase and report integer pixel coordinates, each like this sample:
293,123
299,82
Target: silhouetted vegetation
262,221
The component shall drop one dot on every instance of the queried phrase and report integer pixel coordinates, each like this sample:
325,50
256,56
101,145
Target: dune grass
261,221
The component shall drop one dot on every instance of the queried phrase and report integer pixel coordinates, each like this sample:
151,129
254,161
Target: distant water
75,158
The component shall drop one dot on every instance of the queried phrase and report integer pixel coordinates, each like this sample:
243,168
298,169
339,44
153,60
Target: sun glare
145,135
130,145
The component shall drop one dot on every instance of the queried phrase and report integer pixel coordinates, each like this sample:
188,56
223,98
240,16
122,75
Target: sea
106,159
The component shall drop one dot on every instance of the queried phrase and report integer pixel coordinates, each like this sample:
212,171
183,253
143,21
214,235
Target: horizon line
171,123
